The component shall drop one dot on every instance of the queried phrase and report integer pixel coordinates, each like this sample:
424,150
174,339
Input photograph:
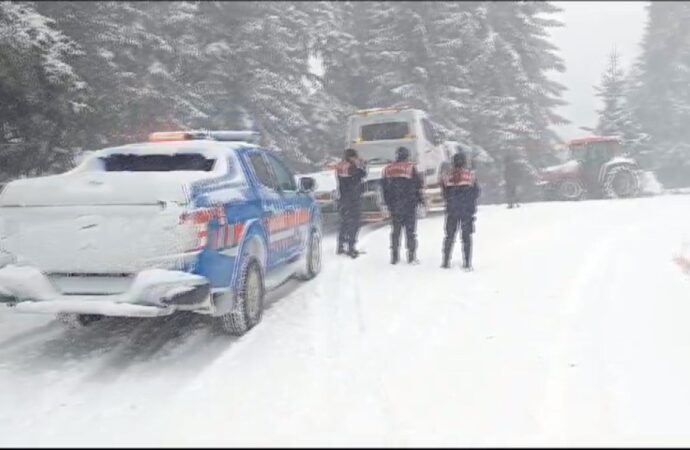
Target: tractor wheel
621,182
571,189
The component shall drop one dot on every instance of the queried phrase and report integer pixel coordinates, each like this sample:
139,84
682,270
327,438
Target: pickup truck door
273,207
294,204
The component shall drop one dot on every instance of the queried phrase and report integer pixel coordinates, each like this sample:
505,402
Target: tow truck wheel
75,321
249,301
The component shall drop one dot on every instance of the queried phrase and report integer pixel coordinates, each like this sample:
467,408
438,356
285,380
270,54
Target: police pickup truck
190,221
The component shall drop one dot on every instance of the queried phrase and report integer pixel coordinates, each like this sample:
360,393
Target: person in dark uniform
511,176
460,190
350,173
402,192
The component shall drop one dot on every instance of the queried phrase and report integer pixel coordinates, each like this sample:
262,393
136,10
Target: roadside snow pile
650,184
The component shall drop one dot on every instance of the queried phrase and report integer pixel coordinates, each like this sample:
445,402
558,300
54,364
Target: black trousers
350,215
466,225
408,221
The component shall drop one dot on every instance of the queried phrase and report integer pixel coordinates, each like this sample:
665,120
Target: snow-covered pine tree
523,28
455,44
257,62
615,117
660,98
132,53
398,55
40,93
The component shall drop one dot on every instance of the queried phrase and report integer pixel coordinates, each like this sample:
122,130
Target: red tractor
597,168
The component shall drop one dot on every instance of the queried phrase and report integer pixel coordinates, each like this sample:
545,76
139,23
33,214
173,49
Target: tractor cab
595,151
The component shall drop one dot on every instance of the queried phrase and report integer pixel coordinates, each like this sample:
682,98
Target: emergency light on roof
174,136
224,135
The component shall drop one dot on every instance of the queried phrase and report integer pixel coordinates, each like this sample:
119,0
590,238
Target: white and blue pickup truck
190,221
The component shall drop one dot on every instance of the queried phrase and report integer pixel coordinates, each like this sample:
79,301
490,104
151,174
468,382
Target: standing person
511,174
402,192
460,190
350,173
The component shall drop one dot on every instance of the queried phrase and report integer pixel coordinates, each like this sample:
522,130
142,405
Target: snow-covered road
574,329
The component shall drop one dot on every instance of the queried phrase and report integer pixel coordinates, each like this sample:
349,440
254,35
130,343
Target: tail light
225,235
199,221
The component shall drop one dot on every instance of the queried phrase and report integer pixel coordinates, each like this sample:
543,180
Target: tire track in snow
341,334
560,401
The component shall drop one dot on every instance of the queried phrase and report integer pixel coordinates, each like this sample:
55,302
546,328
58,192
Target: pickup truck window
157,163
261,170
286,180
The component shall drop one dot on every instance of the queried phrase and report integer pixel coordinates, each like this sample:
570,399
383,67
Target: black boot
467,255
340,250
446,261
352,252
411,258
395,257
447,248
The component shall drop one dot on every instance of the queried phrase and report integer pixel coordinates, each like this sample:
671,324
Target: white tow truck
377,133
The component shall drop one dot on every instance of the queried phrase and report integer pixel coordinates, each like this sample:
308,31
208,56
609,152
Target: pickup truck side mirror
307,184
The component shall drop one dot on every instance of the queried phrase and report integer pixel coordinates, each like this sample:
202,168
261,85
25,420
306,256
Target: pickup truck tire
249,301
75,321
312,263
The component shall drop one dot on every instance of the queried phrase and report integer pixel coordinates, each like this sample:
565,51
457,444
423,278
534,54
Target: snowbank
650,184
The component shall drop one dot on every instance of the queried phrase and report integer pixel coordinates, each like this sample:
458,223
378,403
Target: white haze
590,31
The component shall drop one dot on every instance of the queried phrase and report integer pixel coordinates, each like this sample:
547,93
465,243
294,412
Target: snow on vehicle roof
207,146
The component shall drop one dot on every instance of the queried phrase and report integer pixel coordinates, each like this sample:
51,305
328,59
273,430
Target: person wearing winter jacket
402,193
460,191
350,172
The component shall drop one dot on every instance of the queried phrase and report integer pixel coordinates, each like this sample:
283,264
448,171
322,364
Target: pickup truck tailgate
94,239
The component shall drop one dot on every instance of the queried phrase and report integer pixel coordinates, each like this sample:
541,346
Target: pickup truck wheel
75,321
249,301
312,265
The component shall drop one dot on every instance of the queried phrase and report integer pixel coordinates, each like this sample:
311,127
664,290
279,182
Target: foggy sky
591,29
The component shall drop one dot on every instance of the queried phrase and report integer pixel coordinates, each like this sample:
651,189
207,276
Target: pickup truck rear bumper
152,293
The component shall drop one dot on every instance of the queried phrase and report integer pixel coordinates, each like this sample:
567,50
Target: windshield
158,163
384,131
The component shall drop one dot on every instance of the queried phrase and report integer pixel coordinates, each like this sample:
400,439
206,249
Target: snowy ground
572,330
